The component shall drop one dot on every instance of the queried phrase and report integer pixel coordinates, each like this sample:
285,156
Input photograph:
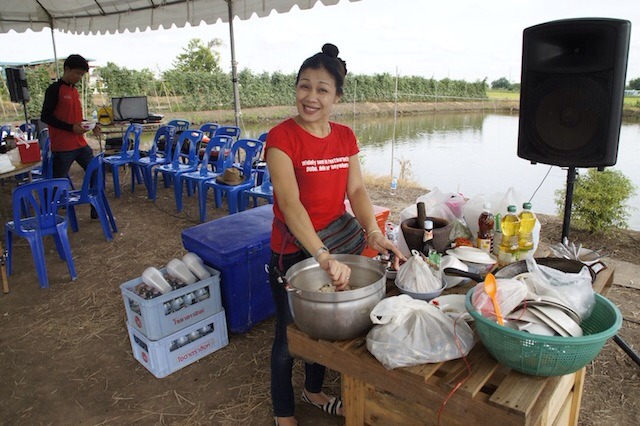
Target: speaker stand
26,116
568,200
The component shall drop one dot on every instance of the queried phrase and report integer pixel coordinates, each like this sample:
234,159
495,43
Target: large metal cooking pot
341,315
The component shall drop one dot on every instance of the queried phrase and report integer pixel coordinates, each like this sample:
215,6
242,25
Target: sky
459,39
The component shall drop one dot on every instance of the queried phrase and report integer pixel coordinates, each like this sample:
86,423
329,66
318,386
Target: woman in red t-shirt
313,165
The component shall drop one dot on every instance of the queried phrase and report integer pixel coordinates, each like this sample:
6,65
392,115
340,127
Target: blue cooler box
238,246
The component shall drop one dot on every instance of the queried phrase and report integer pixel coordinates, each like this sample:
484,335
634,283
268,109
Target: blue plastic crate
238,246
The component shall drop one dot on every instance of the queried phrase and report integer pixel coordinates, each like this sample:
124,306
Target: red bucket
29,151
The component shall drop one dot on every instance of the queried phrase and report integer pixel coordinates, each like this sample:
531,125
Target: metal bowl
335,316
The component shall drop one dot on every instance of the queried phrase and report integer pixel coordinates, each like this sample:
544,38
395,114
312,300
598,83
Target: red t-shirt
61,109
321,167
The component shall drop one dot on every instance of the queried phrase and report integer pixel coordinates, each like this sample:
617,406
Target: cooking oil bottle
510,226
525,236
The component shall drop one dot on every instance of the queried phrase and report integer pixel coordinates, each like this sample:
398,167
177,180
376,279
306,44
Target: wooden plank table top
488,394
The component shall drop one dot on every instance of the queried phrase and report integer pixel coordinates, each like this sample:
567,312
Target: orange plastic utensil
490,289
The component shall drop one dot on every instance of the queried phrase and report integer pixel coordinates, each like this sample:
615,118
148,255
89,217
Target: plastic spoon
490,289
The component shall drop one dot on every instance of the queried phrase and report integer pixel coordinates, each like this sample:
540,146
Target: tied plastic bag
408,332
510,293
416,276
573,290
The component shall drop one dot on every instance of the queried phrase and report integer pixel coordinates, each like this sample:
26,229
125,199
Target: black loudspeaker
572,91
17,83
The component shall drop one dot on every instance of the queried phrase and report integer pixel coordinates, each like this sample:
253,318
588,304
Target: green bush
599,200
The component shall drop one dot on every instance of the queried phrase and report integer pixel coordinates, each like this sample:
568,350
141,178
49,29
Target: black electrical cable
543,179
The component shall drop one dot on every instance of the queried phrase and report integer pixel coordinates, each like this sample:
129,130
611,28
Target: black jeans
281,360
62,160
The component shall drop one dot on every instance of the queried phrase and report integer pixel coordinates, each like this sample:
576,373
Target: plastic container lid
526,206
511,209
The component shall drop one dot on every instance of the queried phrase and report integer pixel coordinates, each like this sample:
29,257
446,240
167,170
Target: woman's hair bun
330,49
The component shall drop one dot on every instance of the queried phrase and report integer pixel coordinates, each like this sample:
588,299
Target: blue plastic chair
244,152
176,168
204,173
209,129
129,153
231,131
263,137
28,129
180,125
45,171
92,192
42,200
5,130
263,190
154,158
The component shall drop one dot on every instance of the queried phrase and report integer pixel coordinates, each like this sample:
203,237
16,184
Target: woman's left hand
378,242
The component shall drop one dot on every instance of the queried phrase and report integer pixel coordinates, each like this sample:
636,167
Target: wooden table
20,169
493,394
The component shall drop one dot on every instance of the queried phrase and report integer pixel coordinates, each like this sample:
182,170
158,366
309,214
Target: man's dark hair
76,62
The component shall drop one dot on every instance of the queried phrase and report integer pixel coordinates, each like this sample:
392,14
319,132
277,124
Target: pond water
473,153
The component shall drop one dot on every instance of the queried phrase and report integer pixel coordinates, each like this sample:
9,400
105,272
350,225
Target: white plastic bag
408,332
573,290
416,276
499,203
510,293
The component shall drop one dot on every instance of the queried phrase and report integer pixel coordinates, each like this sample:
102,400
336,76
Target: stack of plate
545,316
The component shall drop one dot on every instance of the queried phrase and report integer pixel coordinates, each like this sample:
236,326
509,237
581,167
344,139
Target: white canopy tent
111,16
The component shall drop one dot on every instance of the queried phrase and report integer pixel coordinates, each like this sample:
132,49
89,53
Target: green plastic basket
548,355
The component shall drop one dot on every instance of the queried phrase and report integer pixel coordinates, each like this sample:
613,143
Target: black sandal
331,407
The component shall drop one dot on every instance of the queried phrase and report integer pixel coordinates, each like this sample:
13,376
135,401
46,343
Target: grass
503,95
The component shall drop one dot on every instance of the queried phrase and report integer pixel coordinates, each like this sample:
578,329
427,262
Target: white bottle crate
164,356
150,316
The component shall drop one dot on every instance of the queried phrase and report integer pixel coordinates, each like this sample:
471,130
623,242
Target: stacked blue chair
129,154
263,137
41,199
92,192
198,177
154,158
176,168
244,153
263,190
28,129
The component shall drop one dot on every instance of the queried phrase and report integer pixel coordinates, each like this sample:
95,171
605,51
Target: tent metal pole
55,53
234,67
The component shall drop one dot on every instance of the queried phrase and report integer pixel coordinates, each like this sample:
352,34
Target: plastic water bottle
510,226
486,223
525,236
394,186
94,115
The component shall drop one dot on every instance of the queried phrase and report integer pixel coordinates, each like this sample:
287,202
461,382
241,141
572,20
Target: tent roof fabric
109,16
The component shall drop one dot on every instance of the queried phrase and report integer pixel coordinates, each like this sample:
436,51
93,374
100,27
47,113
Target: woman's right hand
338,272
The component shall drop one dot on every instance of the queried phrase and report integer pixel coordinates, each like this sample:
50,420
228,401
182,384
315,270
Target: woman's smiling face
315,95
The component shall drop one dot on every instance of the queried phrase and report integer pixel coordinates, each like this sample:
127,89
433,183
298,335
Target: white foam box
148,315
159,358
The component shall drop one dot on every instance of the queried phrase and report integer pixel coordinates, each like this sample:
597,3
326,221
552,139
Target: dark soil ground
65,351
